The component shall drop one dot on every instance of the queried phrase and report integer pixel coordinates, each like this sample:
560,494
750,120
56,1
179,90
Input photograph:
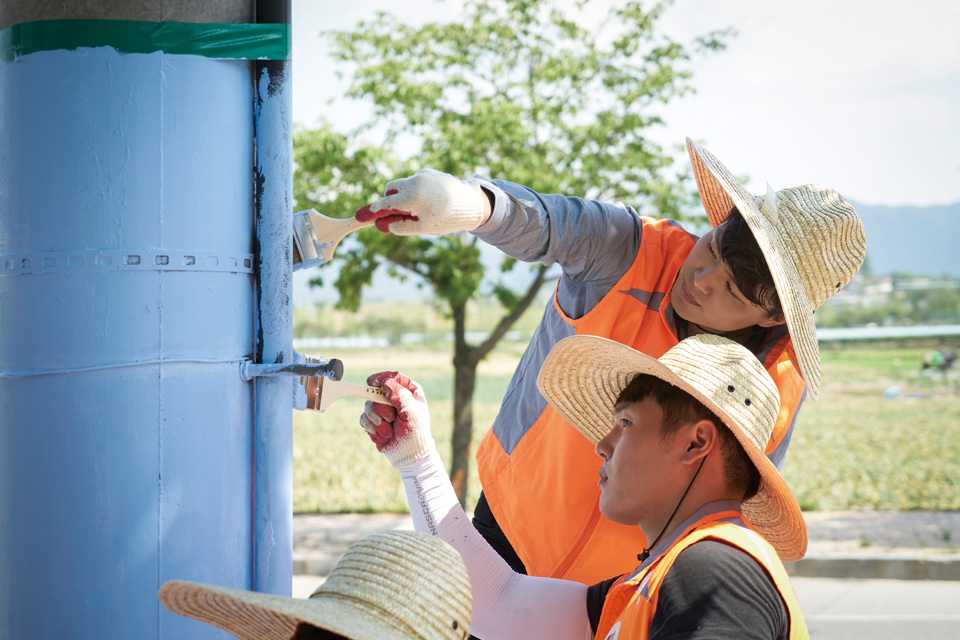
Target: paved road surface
837,609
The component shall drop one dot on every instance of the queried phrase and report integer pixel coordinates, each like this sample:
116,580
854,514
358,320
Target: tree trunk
464,380
465,360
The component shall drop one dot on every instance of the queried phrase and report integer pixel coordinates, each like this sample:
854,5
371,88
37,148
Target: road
880,609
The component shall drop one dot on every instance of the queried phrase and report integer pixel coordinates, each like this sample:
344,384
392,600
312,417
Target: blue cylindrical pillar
273,211
127,302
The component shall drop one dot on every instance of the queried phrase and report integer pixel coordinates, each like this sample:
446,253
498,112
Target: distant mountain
924,241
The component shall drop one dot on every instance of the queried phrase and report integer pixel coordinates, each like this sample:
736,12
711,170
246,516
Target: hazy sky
862,96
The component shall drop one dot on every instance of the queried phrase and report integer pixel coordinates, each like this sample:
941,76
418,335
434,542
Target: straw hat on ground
583,375
811,237
393,585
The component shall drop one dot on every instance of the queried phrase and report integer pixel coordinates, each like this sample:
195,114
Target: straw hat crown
392,585
811,238
434,599
583,377
731,380
823,236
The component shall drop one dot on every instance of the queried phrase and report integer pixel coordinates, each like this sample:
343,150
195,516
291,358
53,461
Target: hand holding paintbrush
321,391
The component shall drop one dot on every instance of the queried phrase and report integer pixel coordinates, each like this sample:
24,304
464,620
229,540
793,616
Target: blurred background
861,96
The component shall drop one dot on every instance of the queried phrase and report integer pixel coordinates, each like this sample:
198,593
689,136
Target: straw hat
393,585
811,237
583,375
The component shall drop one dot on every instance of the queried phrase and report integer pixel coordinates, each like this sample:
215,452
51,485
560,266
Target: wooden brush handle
323,391
330,231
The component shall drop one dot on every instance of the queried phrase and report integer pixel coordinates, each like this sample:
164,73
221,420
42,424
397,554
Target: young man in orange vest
681,440
756,277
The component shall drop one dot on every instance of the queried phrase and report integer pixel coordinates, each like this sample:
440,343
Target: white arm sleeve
506,604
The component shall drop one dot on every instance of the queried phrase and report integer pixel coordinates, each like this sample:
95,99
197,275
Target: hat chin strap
646,550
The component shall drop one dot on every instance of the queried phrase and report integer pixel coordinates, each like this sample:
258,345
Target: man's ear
772,321
701,439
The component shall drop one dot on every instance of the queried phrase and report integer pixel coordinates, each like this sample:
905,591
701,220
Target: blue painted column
127,302
273,209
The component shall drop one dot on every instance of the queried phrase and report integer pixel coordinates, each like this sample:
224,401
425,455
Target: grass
850,450
338,469
854,449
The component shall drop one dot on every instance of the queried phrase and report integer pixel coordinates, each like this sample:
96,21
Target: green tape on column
239,41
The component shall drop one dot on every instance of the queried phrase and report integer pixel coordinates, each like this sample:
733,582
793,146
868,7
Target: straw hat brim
719,192
582,377
250,615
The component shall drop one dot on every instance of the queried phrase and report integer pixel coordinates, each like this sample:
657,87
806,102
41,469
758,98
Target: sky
859,95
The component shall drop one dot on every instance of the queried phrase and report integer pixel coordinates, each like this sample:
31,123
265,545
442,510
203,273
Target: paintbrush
321,391
316,236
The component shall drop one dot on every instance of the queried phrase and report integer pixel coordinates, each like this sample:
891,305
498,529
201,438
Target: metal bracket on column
332,369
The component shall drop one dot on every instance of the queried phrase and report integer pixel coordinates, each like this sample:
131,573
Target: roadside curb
902,545
886,566
860,566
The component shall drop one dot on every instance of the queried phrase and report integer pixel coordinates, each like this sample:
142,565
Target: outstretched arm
505,604
591,241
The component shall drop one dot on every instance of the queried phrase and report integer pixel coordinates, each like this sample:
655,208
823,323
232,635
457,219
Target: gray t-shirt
713,590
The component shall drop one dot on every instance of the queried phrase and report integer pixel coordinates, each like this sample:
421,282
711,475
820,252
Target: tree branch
507,321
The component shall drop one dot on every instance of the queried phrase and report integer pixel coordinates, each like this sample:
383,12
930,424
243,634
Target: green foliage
936,304
336,178
859,452
337,469
517,90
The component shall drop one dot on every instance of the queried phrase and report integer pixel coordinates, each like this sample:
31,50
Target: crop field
855,448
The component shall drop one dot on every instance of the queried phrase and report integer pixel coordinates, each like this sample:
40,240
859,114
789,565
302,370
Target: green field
852,449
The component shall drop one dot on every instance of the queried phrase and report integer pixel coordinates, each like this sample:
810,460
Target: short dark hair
306,631
744,259
679,408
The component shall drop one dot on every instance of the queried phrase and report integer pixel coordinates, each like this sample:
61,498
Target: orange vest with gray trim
539,474
631,602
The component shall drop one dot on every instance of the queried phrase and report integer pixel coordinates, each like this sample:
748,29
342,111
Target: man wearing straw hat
681,443
392,585
756,278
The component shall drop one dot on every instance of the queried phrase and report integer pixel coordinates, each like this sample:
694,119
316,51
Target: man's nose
600,451
602,447
704,277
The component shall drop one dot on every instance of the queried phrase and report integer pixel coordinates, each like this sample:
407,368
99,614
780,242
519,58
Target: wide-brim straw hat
583,375
393,585
811,237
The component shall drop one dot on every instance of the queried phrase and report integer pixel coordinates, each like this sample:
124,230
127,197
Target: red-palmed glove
429,202
401,430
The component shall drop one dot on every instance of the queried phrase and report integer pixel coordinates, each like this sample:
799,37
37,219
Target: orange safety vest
542,485
632,601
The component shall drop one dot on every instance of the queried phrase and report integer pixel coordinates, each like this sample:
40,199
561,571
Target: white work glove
401,430
428,203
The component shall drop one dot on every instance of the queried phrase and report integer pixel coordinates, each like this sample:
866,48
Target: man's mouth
687,296
603,476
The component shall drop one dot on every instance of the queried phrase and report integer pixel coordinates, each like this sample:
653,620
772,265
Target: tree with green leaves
516,90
